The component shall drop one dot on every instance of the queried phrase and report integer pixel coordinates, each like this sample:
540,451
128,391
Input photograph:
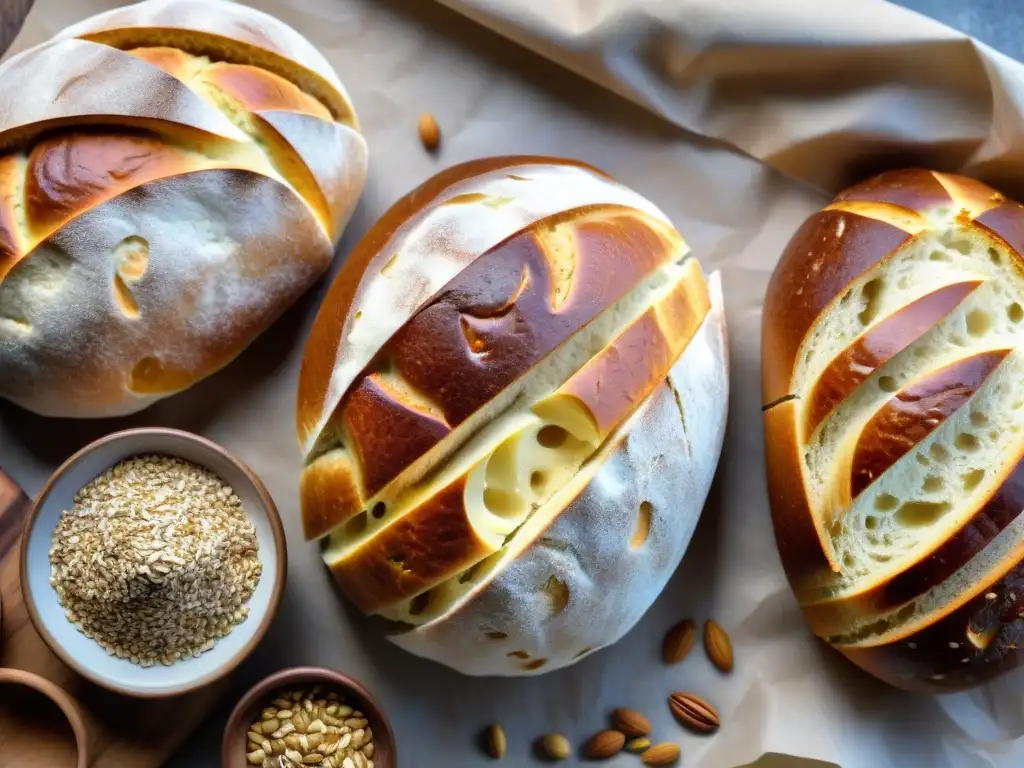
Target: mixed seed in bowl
310,727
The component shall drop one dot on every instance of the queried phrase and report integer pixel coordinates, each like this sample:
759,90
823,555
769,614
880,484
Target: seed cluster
302,728
155,560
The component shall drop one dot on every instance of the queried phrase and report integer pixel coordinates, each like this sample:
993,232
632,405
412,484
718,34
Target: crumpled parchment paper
738,118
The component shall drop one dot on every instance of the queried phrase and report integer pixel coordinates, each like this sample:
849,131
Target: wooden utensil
129,733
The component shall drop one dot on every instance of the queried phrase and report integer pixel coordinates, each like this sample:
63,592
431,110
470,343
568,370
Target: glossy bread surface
894,429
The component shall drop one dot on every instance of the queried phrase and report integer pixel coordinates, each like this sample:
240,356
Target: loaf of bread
173,175
511,406
894,429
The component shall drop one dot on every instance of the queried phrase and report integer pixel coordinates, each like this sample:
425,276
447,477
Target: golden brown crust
853,365
328,492
494,322
433,542
833,247
329,337
71,173
802,542
949,618
914,413
971,645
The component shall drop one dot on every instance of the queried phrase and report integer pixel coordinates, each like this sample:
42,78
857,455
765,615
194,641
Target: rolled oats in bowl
155,560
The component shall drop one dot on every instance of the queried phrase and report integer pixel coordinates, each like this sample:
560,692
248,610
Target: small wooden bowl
87,657
233,746
43,742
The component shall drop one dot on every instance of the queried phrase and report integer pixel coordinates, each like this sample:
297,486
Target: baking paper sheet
736,117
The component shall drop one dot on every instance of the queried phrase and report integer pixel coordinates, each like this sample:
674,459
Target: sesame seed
953,644
990,595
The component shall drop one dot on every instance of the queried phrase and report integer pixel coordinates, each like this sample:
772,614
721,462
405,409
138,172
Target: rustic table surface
999,23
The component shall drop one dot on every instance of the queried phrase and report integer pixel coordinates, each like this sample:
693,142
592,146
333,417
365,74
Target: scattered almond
665,753
556,746
604,744
718,645
630,722
495,739
638,745
693,712
679,641
430,133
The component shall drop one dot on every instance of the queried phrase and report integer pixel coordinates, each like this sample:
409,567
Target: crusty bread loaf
173,175
512,403
893,426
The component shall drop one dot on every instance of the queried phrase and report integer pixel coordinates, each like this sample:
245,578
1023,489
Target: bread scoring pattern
893,425
178,178
479,352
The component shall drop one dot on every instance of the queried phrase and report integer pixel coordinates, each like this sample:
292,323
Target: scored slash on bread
491,348
178,178
894,426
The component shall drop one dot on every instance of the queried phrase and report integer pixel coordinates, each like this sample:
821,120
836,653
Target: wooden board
132,733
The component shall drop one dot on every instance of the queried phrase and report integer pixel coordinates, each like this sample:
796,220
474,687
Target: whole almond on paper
495,740
604,744
679,641
718,645
693,712
665,753
430,133
630,722
555,746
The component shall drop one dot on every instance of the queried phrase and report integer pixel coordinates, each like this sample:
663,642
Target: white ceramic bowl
86,656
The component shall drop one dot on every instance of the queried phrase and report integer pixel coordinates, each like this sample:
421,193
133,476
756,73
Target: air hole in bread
870,522
932,484
15,325
357,524
535,664
552,436
878,557
917,514
938,256
493,634
557,593
124,300
467,575
537,481
888,384
886,502
642,529
518,655
922,459
994,256
938,452
502,503
973,479
965,441
979,419
358,315
963,245
379,510
469,197
994,434
981,640
389,264
419,603
1015,312
979,322
845,297
131,258
476,343
871,294
849,560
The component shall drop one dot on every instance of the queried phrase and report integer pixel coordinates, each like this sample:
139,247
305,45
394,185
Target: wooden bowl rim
71,709
237,725
276,526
